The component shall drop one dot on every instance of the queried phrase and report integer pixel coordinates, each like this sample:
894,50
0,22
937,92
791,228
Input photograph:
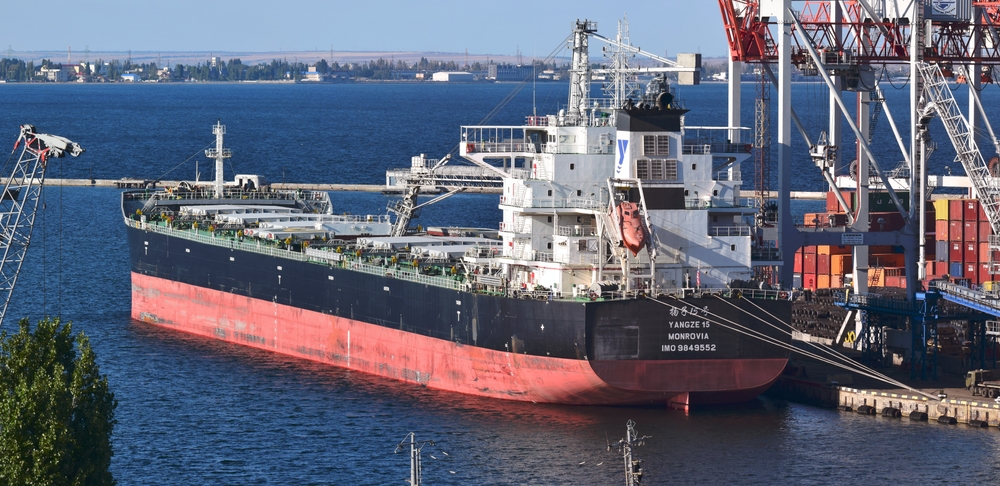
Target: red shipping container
823,264
971,252
971,272
955,251
955,209
941,230
955,230
941,267
971,210
971,231
809,281
982,214
809,264
889,221
831,202
985,230
984,252
809,250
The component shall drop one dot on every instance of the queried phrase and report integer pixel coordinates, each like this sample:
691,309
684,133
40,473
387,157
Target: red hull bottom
442,364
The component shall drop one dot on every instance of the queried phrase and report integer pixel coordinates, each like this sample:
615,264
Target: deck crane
19,203
406,209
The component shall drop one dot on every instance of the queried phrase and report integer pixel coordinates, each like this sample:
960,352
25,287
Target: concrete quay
949,402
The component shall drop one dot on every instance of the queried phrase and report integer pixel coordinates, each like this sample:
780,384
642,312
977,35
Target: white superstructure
565,174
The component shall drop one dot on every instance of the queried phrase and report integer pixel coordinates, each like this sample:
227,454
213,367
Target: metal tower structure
220,155
844,42
633,466
19,201
415,446
622,81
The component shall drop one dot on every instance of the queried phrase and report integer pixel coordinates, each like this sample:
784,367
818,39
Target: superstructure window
656,145
656,169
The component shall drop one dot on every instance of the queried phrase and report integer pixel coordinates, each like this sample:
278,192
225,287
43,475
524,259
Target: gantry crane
19,202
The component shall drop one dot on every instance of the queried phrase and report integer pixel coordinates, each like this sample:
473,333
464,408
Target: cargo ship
623,271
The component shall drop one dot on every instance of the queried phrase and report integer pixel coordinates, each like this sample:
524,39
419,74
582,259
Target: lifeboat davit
630,226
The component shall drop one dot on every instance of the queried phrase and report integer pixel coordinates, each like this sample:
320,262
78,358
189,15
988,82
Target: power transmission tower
633,468
415,447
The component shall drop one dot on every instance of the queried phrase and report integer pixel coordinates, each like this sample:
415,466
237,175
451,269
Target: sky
491,27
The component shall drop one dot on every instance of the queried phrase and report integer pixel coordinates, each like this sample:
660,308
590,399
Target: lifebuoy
470,147
593,295
782,295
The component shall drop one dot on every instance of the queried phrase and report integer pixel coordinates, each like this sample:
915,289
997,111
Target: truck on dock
980,382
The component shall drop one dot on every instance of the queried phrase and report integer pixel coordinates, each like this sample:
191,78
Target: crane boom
19,201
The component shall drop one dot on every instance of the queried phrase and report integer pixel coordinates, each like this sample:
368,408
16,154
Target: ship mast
579,73
220,154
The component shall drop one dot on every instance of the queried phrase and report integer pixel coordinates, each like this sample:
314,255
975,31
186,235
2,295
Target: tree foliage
56,409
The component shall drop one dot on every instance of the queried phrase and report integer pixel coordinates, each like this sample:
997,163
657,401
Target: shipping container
797,266
971,211
886,260
809,264
955,229
940,209
941,250
822,249
841,250
955,251
841,264
971,271
984,252
836,281
833,206
956,269
809,281
823,264
876,277
955,210
970,252
809,250
941,230
886,221
970,231
941,268
881,202
985,230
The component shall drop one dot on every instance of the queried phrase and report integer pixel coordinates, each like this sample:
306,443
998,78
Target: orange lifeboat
630,226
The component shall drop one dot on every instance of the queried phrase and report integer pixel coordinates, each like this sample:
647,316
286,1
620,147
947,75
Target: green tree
56,409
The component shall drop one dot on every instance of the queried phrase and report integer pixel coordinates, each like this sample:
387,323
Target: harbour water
195,411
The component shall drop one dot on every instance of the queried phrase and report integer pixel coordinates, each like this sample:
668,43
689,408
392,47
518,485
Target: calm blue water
196,411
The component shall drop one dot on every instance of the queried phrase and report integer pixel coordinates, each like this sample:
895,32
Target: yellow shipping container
940,209
822,281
